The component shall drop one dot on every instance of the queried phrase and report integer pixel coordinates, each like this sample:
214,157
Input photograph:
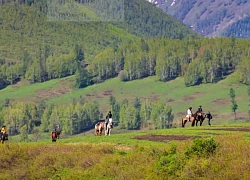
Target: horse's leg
193,123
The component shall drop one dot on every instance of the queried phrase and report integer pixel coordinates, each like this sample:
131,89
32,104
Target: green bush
202,147
169,163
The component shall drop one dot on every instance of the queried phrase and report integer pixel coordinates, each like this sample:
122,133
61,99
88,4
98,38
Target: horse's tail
182,124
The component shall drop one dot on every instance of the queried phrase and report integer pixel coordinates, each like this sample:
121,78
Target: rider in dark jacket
109,115
199,109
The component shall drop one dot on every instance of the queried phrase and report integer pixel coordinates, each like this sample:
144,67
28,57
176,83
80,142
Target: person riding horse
189,113
200,109
4,133
108,117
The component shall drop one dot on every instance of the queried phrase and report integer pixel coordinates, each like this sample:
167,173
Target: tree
82,78
36,134
234,104
24,134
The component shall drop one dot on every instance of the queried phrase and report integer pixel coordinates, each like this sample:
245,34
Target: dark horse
201,116
54,136
3,137
192,119
58,132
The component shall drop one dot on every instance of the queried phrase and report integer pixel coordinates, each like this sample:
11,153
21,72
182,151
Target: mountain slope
29,37
209,18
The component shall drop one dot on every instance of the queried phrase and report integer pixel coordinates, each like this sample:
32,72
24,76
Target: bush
202,147
123,75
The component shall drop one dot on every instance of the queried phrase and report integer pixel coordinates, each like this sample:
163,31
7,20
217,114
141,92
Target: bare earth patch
195,95
107,93
242,129
165,138
48,93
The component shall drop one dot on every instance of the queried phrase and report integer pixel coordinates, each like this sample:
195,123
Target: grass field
177,153
213,97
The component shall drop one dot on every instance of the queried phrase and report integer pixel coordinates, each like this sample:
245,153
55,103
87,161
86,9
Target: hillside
173,93
210,18
32,41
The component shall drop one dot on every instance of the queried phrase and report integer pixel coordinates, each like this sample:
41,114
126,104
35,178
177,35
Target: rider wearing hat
200,109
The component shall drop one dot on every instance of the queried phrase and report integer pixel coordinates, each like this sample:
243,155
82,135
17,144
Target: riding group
104,126
198,116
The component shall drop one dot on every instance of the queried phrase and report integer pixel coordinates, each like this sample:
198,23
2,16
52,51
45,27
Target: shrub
202,147
123,75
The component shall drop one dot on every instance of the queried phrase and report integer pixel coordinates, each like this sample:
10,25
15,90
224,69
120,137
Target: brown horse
58,132
99,127
192,119
53,135
201,116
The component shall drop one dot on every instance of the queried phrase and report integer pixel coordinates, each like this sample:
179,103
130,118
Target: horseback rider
108,118
189,113
4,132
200,109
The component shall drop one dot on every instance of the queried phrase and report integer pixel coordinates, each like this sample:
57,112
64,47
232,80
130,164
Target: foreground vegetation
216,154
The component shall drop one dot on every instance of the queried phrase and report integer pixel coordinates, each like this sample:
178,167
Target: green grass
213,97
121,156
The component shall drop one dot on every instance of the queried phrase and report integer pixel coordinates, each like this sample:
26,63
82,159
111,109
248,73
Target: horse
109,127
99,127
58,132
192,119
201,116
3,137
53,135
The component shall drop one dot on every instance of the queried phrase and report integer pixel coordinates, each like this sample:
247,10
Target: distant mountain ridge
210,18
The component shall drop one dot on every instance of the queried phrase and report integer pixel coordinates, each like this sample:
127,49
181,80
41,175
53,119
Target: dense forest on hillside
198,60
36,49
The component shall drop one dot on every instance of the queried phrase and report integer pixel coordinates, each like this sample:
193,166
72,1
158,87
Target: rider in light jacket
189,113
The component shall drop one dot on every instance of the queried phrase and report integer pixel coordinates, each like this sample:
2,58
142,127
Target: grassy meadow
213,97
180,153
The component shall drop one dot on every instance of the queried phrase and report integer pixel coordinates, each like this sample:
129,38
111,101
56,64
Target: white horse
109,127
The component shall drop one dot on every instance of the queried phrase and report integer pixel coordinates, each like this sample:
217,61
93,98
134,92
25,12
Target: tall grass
217,154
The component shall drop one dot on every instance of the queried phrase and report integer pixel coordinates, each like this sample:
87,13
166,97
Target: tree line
80,115
197,60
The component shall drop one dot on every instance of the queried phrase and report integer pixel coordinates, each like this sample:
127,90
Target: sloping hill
209,18
30,38
25,27
173,93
